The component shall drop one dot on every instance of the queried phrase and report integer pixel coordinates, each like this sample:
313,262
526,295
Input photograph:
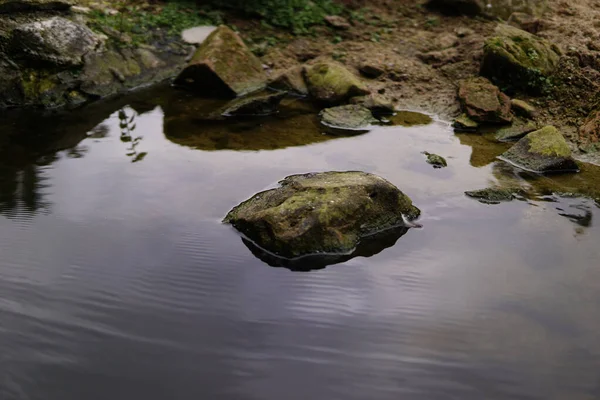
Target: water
118,281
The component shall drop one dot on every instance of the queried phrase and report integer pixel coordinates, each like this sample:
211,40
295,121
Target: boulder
484,102
327,212
519,59
223,67
377,104
516,131
333,84
9,6
435,160
350,117
544,150
469,7
291,80
494,195
464,124
56,41
261,104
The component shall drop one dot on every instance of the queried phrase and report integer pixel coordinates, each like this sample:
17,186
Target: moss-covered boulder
291,80
516,131
332,83
9,6
52,41
223,67
519,59
351,117
484,102
326,212
544,150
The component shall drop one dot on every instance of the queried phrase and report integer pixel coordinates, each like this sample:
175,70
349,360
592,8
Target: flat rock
464,124
544,150
351,117
332,83
516,131
328,212
494,195
223,67
484,102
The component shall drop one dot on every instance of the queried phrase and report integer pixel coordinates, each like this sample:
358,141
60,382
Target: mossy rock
516,131
544,150
223,67
483,102
519,59
494,195
328,212
332,83
292,81
351,117
464,124
435,160
408,119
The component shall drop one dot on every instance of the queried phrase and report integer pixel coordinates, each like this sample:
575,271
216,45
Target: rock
523,108
519,59
377,104
337,22
435,160
544,150
371,70
197,35
505,8
495,195
465,124
328,212
351,117
332,83
516,131
55,40
291,80
9,6
11,92
524,21
590,131
469,7
223,67
484,102
254,105
409,118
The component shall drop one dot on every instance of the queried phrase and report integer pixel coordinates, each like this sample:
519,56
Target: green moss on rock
332,83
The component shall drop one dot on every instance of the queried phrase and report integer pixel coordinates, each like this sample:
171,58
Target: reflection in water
127,126
368,247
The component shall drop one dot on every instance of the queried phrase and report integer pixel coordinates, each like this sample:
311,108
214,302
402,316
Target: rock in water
223,67
291,80
353,117
516,132
519,59
377,104
56,40
326,212
464,124
436,160
332,83
8,6
544,150
484,102
494,195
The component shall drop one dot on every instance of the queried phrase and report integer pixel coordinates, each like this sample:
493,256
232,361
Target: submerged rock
544,150
409,118
223,67
378,104
8,6
519,59
484,102
332,83
464,124
328,212
435,160
516,131
352,117
254,105
291,80
494,195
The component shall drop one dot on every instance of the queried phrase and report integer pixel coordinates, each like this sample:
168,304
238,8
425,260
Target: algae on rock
332,83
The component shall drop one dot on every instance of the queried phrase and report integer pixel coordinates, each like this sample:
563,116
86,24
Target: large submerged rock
519,59
544,150
326,212
223,67
484,102
332,83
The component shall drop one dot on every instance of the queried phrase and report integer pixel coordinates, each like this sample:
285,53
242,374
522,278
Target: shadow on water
368,247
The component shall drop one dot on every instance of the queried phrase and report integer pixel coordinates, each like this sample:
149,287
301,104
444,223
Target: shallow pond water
118,280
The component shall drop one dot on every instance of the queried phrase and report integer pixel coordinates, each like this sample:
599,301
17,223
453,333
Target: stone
9,6
55,40
523,108
436,160
350,117
464,124
327,212
376,103
332,84
337,22
544,150
494,195
291,80
469,7
518,59
483,102
505,8
104,73
589,132
223,67
261,104
371,70
408,119
197,35
516,131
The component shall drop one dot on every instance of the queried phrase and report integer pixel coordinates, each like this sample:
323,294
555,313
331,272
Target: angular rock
9,6
516,131
464,124
436,160
254,105
223,67
351,117
291,80
332,83
469,7
544,150
523,108
484,102
377,104
55,40
371,70
494,195
519,59
326,212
